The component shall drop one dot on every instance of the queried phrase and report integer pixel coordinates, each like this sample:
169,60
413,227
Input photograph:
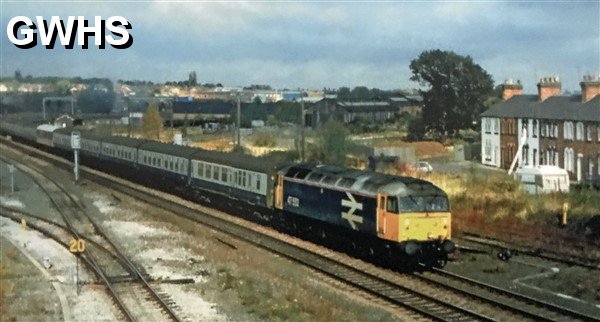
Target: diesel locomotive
405,219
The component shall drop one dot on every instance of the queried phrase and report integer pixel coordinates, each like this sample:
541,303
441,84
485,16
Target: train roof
238,160
366,182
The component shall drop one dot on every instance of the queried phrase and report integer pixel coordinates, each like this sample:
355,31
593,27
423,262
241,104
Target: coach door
381,218
279,192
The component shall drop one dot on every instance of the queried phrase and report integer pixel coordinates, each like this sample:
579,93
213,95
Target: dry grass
494,206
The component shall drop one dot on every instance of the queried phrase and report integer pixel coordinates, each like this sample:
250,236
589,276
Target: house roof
553,108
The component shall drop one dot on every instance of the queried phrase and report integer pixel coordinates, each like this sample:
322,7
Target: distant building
561,130
412,104
212,110
347,112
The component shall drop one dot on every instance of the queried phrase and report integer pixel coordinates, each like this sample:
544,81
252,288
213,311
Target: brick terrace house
561,130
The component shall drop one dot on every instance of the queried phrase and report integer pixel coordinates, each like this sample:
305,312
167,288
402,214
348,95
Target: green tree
152,123
457,89
18,76
331,144
193,79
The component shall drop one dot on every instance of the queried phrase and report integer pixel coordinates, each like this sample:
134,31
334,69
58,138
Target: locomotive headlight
412,248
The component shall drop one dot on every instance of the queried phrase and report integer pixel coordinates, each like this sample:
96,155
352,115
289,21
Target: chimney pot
590,87
510,89
548,87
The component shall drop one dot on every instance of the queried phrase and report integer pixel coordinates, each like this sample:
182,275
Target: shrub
265,139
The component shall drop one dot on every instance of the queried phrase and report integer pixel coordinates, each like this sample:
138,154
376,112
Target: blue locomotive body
346,209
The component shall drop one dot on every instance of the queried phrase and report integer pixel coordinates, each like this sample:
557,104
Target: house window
588,133
535,129
488,150
496,126
569,161
579,132
568,131
488,125
534,158
544,129
525,155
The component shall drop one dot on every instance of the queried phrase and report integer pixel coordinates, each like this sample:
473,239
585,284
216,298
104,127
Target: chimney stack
547,87
590,87
510,89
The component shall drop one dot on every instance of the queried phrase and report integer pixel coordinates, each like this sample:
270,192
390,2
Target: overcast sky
320,44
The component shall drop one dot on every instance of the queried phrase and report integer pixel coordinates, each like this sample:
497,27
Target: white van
543,179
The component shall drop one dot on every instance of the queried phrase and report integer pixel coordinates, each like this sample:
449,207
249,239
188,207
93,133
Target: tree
152,123
457,89
18,76
193,79
332,144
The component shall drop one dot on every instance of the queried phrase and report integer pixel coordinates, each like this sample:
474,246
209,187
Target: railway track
539,253
390,288
535,308
82,226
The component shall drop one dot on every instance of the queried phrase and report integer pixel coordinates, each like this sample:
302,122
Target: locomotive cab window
392,205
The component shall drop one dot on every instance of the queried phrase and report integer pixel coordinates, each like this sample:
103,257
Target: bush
265,139
332,144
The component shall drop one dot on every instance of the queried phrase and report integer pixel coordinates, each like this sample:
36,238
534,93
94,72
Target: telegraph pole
238,127
302,128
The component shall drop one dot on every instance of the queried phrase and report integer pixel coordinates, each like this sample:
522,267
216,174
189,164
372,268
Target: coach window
224,172
258,183
216,173
208,173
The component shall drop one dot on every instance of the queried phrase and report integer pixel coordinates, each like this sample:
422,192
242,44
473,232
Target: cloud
316,44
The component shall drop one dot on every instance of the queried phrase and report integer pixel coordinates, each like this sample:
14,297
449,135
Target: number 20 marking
76,245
